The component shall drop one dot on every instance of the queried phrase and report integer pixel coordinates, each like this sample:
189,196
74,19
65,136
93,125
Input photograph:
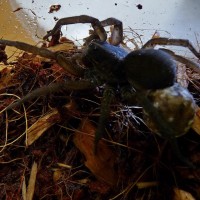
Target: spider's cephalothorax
138,74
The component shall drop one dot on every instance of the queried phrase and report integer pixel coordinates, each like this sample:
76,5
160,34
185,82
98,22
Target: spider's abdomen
150,69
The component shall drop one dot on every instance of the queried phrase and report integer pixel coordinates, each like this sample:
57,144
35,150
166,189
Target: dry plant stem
32,181
174,42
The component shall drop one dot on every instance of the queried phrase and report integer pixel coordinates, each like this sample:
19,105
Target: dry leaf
5,74
196,123
64,47
57,175
46,121
100,164
143,185
31,184
182,195
41,125
24,189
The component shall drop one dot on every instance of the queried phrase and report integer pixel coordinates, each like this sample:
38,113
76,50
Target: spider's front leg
116,35
96,24
65,63
53,88
117,32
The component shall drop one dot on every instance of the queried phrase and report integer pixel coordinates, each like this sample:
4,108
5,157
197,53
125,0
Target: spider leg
96,24
54,87
117,32
175,42
64,62
44,52
104,114
192,65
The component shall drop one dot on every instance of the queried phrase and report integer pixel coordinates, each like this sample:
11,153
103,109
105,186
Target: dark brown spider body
135,74
143,69
150,69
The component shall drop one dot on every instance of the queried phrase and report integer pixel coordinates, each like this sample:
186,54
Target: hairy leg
191,64
174,42
104,114
54,87
98,28
117,32
65,63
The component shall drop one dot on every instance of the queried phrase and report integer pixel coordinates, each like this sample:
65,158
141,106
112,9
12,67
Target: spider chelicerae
147,75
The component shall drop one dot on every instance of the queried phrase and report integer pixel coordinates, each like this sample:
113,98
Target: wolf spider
147,75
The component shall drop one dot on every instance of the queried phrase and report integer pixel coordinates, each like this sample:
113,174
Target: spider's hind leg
176,42
189,63
172,42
